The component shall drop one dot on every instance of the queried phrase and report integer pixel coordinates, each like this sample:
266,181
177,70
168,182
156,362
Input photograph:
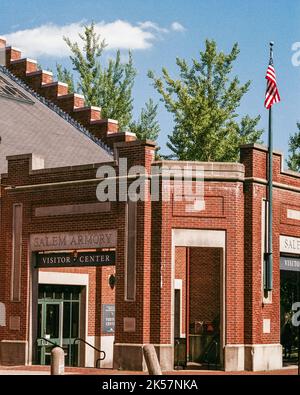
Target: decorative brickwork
41,81
225,278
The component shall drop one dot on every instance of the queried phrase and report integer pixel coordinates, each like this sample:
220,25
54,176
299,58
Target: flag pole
269,269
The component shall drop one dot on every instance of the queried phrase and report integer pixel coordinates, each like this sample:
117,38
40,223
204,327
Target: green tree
65,75
114,91
109,87
86,62
293,161
203,101
147,126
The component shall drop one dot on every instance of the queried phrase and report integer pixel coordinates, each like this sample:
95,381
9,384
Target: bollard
151,360
57,361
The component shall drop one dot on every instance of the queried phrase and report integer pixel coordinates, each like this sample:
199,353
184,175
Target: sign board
289,263
290,245
73,240
64,259
108,318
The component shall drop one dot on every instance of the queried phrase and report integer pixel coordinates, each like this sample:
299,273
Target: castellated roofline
73,104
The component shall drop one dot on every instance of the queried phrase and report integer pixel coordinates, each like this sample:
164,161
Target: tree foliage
86,62
107,85
65,75
147,126
114,91
203,101
293,161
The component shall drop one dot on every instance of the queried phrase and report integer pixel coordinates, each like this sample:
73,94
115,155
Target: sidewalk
45,370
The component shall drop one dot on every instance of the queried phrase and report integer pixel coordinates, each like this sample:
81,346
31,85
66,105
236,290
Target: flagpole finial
271,50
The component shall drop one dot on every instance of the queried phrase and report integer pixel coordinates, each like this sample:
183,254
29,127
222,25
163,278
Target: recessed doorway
58,322
197,307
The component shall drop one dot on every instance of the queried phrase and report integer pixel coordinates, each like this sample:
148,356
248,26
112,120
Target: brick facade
205,284
233,205
225,240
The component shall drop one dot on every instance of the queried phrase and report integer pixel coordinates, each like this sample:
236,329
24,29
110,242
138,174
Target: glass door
70,332
58,322
49,328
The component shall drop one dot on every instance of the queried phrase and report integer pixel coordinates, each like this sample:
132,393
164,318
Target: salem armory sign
290,245
73,240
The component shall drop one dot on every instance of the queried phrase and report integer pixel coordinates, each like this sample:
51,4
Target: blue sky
159,31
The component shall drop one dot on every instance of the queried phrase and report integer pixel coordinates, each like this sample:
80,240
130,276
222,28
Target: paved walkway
45,370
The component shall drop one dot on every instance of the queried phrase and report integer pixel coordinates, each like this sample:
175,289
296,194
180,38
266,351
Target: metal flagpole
269,268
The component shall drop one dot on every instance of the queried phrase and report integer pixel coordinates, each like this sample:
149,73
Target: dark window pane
67,355
57,295
49,295
66,320
47,359
75,320
39,355
52,320
74,348
67,294
39,321
75,294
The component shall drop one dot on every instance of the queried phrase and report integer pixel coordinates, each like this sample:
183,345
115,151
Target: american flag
272,94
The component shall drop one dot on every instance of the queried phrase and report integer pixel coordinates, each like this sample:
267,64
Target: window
9,91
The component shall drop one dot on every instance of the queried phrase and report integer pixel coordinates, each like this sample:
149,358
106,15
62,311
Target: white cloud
47,40
177,27
148,25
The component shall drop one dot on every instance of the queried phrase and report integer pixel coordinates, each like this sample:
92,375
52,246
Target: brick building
121,274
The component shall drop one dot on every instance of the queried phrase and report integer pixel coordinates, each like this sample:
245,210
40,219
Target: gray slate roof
35,128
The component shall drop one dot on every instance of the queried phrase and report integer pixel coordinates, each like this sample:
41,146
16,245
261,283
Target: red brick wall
234,207
137,154
18,174
205,286
230,218
256,309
